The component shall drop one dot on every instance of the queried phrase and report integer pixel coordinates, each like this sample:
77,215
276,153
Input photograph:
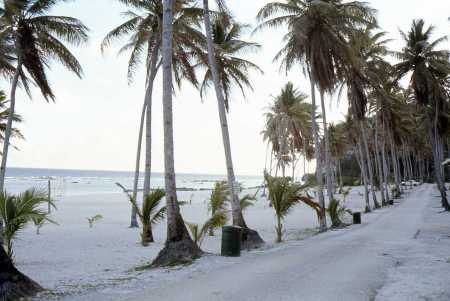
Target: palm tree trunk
322,220
9,124
369,163
148,121
238,218
179,246
134,223
394,162
14,285
363,167
432,134
8,132
250,238
384,201
145,116
385,167
327,149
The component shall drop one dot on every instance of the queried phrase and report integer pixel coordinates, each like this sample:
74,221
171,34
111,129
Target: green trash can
231,241
356,218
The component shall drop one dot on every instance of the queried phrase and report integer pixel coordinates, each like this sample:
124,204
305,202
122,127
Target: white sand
80,263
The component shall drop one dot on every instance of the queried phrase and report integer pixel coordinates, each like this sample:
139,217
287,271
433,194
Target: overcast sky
93,123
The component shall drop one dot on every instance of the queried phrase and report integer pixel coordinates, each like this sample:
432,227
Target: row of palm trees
337,44
341,49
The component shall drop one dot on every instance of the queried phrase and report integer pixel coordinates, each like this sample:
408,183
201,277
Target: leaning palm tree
144,30
37,38
179,246
223,44
429,68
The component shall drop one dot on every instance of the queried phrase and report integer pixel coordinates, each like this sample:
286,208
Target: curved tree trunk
9,124
148,121
134,222
327,149
13,284
319,179
251,238
145,116
8,132
179,247
369,164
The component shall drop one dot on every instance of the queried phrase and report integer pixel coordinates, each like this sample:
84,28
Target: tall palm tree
36,38
429,67
144,30
316,38
288,125
179,246
223,49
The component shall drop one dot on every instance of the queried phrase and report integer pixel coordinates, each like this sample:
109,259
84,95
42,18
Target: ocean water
66,182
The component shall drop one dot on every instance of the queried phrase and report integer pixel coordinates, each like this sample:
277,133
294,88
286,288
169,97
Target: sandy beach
72,259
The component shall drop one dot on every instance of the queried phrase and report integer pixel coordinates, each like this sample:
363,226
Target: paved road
339,265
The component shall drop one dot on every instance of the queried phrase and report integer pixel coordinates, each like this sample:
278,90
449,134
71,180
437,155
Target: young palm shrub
247,201
218,201
283,195
150,214
336,212
218,220
39,222
92,220
17,211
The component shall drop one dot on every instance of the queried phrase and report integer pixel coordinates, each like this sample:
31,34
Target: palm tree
179,246
429,68
284,195
151,213
218,201
217,220
144,32
17,211
36,39
222,47
288,126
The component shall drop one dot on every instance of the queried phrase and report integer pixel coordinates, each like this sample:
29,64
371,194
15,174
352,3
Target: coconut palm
18,211
284,196
218,201
224,69
429,67
150,214
288,126
179,246
219,219
144,30
37,38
